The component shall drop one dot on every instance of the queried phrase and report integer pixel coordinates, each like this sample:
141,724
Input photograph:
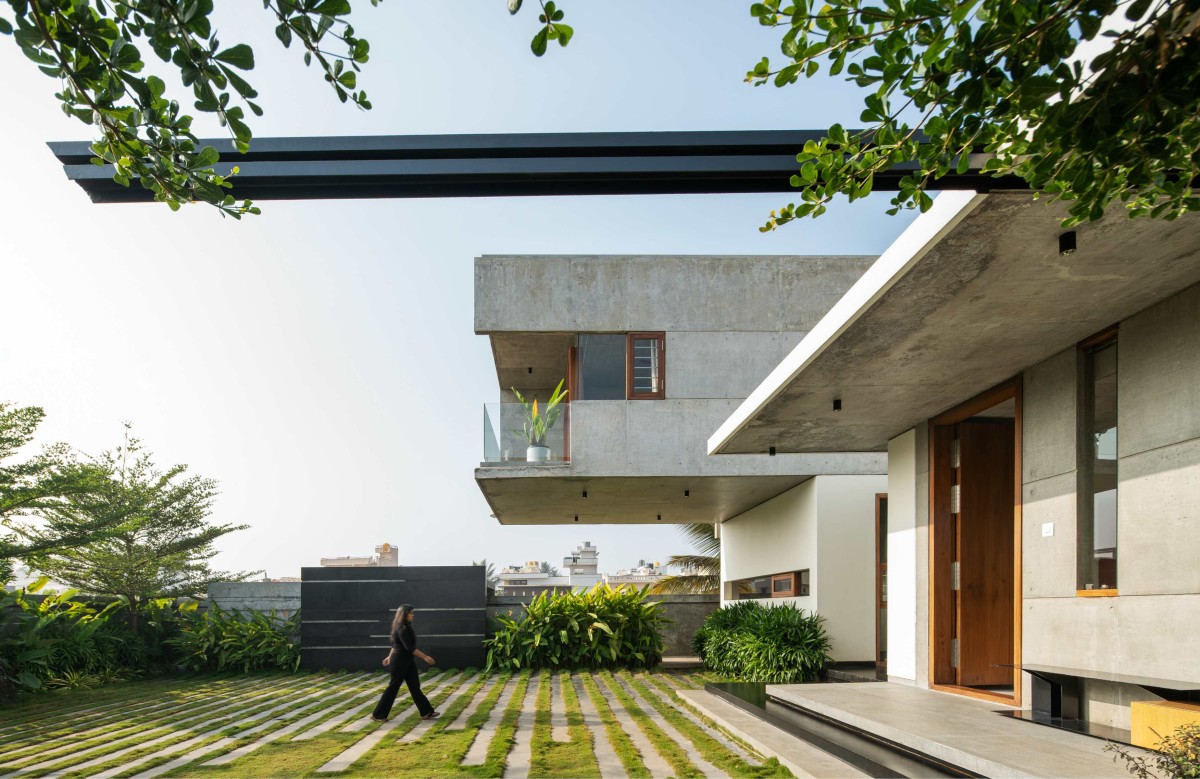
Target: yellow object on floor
1152,721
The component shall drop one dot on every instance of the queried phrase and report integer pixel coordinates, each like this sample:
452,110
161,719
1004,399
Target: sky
319,361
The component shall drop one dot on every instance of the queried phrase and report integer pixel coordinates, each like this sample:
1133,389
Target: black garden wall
347,613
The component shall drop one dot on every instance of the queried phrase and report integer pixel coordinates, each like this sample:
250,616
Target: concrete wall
615,294
281,597
826,525
1150,628
668,438
908,557
686,612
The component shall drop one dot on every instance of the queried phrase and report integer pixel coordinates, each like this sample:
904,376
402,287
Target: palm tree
702,570
490,572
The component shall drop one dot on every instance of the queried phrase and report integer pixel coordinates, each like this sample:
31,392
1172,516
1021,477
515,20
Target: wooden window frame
1093,343
662,366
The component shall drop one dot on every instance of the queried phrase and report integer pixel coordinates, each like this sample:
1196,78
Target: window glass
1097,529
601,367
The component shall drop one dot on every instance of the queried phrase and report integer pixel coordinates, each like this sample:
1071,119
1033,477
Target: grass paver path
519,725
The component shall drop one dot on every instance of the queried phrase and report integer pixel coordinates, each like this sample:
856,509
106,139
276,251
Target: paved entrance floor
317,725
962,731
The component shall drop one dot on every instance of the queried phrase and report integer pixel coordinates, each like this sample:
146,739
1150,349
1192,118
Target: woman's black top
404,642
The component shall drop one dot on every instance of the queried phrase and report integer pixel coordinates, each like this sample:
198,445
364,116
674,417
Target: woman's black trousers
404,671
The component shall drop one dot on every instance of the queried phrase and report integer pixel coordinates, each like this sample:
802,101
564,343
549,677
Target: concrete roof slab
556,499
973,293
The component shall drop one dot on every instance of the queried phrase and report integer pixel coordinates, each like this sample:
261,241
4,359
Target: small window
601,369
646,356
1097,504
802,583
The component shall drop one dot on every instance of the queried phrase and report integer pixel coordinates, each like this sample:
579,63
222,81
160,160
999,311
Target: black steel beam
496,165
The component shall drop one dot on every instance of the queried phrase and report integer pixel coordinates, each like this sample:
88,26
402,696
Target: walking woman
402,662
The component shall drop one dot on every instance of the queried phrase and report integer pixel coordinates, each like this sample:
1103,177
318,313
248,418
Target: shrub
218,640
1176,757
600,628
756,643
57,641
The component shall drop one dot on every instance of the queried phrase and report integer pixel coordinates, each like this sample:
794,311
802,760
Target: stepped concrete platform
961,731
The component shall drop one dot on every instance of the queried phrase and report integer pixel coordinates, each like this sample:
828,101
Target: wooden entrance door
984,551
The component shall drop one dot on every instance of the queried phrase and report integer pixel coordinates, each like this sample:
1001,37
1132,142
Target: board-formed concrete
971,294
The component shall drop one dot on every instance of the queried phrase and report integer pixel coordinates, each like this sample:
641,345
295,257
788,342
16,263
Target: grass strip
708,747
550,758
156,724
132,696
683,703
506,731
112,725
16,713
178,733
626,752
666,746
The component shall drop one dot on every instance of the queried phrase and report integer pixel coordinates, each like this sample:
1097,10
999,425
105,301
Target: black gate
346,614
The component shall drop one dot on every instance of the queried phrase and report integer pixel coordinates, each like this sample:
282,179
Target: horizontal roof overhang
971,294
499,165
541,495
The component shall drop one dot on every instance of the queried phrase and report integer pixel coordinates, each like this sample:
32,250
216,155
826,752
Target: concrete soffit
925,232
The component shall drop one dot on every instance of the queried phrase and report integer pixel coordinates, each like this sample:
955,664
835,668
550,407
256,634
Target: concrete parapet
281,597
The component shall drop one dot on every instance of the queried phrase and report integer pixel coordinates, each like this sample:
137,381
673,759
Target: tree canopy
49,480
951,78
92,48
161,542
945,80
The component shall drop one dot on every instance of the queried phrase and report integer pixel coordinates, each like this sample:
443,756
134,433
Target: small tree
38,484
162,540
547,568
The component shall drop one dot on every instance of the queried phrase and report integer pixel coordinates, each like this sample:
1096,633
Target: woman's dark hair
401,618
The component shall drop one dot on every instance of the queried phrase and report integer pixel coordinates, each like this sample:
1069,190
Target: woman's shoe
378,719
431,715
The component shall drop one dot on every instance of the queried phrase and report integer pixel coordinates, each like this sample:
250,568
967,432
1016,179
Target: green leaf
240,56
538,45
207,157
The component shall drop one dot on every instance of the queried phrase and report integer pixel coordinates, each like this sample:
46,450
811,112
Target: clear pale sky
319,361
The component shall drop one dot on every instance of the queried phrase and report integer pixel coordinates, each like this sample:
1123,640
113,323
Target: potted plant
538,423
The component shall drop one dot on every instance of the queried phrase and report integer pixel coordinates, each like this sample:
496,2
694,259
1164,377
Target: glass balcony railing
505,440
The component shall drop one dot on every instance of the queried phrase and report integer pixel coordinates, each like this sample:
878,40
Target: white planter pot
537,454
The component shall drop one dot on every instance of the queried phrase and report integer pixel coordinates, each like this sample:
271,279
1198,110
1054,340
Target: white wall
902,557
827,525
846,583
773,537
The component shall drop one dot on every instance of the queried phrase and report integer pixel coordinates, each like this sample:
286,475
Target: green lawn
294,725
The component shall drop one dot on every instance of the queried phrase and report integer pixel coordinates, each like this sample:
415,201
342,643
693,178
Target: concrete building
582,573
994,359
655,353
385,555
641,575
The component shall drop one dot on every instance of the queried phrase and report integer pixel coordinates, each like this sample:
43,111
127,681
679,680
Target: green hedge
600,628
55,640
755,643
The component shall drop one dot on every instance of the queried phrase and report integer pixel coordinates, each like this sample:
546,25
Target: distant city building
645,573
386,555
529,579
